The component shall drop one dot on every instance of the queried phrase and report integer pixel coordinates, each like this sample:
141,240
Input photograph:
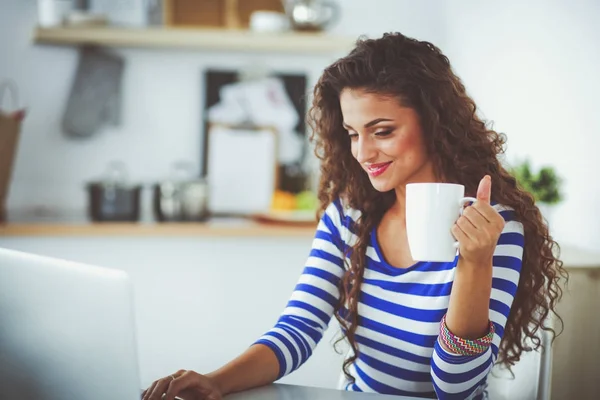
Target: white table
279,391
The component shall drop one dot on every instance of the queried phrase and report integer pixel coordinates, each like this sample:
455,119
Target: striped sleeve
308,312
463,377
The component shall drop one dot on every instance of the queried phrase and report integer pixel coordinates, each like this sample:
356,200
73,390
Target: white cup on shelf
269,22
52,13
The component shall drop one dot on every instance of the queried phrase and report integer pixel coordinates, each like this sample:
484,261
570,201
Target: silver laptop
66,331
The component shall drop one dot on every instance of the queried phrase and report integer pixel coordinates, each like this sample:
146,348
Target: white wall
163,99
533,68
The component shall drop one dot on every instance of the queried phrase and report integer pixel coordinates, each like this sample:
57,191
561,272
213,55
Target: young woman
390,113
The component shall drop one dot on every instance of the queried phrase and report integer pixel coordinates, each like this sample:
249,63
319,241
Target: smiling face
386,139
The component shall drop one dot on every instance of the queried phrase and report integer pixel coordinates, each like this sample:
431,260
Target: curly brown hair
463,150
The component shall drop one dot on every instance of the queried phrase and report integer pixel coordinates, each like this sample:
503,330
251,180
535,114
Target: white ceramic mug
431,211
52,13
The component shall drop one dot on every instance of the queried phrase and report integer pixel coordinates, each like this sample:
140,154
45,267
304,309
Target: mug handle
461,204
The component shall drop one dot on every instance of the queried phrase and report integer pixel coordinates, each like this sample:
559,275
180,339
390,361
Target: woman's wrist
473,266
466,347
217,379
469,308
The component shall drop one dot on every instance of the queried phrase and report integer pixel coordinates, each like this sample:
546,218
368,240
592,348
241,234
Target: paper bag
10,127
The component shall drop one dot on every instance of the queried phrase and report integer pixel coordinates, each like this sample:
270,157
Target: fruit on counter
306,200
287,201
283,201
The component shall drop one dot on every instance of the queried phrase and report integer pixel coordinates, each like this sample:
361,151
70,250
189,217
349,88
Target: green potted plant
544,184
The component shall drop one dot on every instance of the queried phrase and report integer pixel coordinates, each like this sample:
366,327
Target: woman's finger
160,388
178,385
189,382
475,218
487,211
458,234
179,373
148,392
467,227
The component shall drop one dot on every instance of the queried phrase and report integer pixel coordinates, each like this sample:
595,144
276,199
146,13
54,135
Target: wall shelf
195,38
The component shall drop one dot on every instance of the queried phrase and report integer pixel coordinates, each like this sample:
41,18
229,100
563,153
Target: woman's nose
365,151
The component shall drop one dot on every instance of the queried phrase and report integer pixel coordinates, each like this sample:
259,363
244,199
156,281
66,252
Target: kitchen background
532,67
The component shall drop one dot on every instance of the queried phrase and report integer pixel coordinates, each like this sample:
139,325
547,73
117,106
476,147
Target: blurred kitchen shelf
196,38
220,228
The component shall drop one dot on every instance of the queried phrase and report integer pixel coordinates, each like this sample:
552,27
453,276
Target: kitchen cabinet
576,370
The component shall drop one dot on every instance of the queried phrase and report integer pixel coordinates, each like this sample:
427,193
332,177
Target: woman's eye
383,133
352,135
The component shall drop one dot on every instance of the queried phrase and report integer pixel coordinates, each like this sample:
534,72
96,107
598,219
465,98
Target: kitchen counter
572,257
280,391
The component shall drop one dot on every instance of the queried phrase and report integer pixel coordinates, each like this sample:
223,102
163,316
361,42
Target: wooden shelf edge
155,229
202,38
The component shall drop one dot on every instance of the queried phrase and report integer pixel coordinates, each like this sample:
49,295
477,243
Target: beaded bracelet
465,347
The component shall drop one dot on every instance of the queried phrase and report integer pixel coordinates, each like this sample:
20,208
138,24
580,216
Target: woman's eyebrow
368,124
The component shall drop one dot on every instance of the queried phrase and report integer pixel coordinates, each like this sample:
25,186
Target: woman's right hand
187,385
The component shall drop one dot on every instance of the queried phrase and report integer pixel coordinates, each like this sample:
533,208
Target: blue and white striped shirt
399,314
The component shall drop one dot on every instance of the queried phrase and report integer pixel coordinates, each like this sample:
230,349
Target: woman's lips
377,169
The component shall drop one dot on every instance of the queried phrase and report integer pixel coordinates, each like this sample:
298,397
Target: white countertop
573,257
279,391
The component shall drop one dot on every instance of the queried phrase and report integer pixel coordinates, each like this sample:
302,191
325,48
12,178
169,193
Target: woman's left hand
479,228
